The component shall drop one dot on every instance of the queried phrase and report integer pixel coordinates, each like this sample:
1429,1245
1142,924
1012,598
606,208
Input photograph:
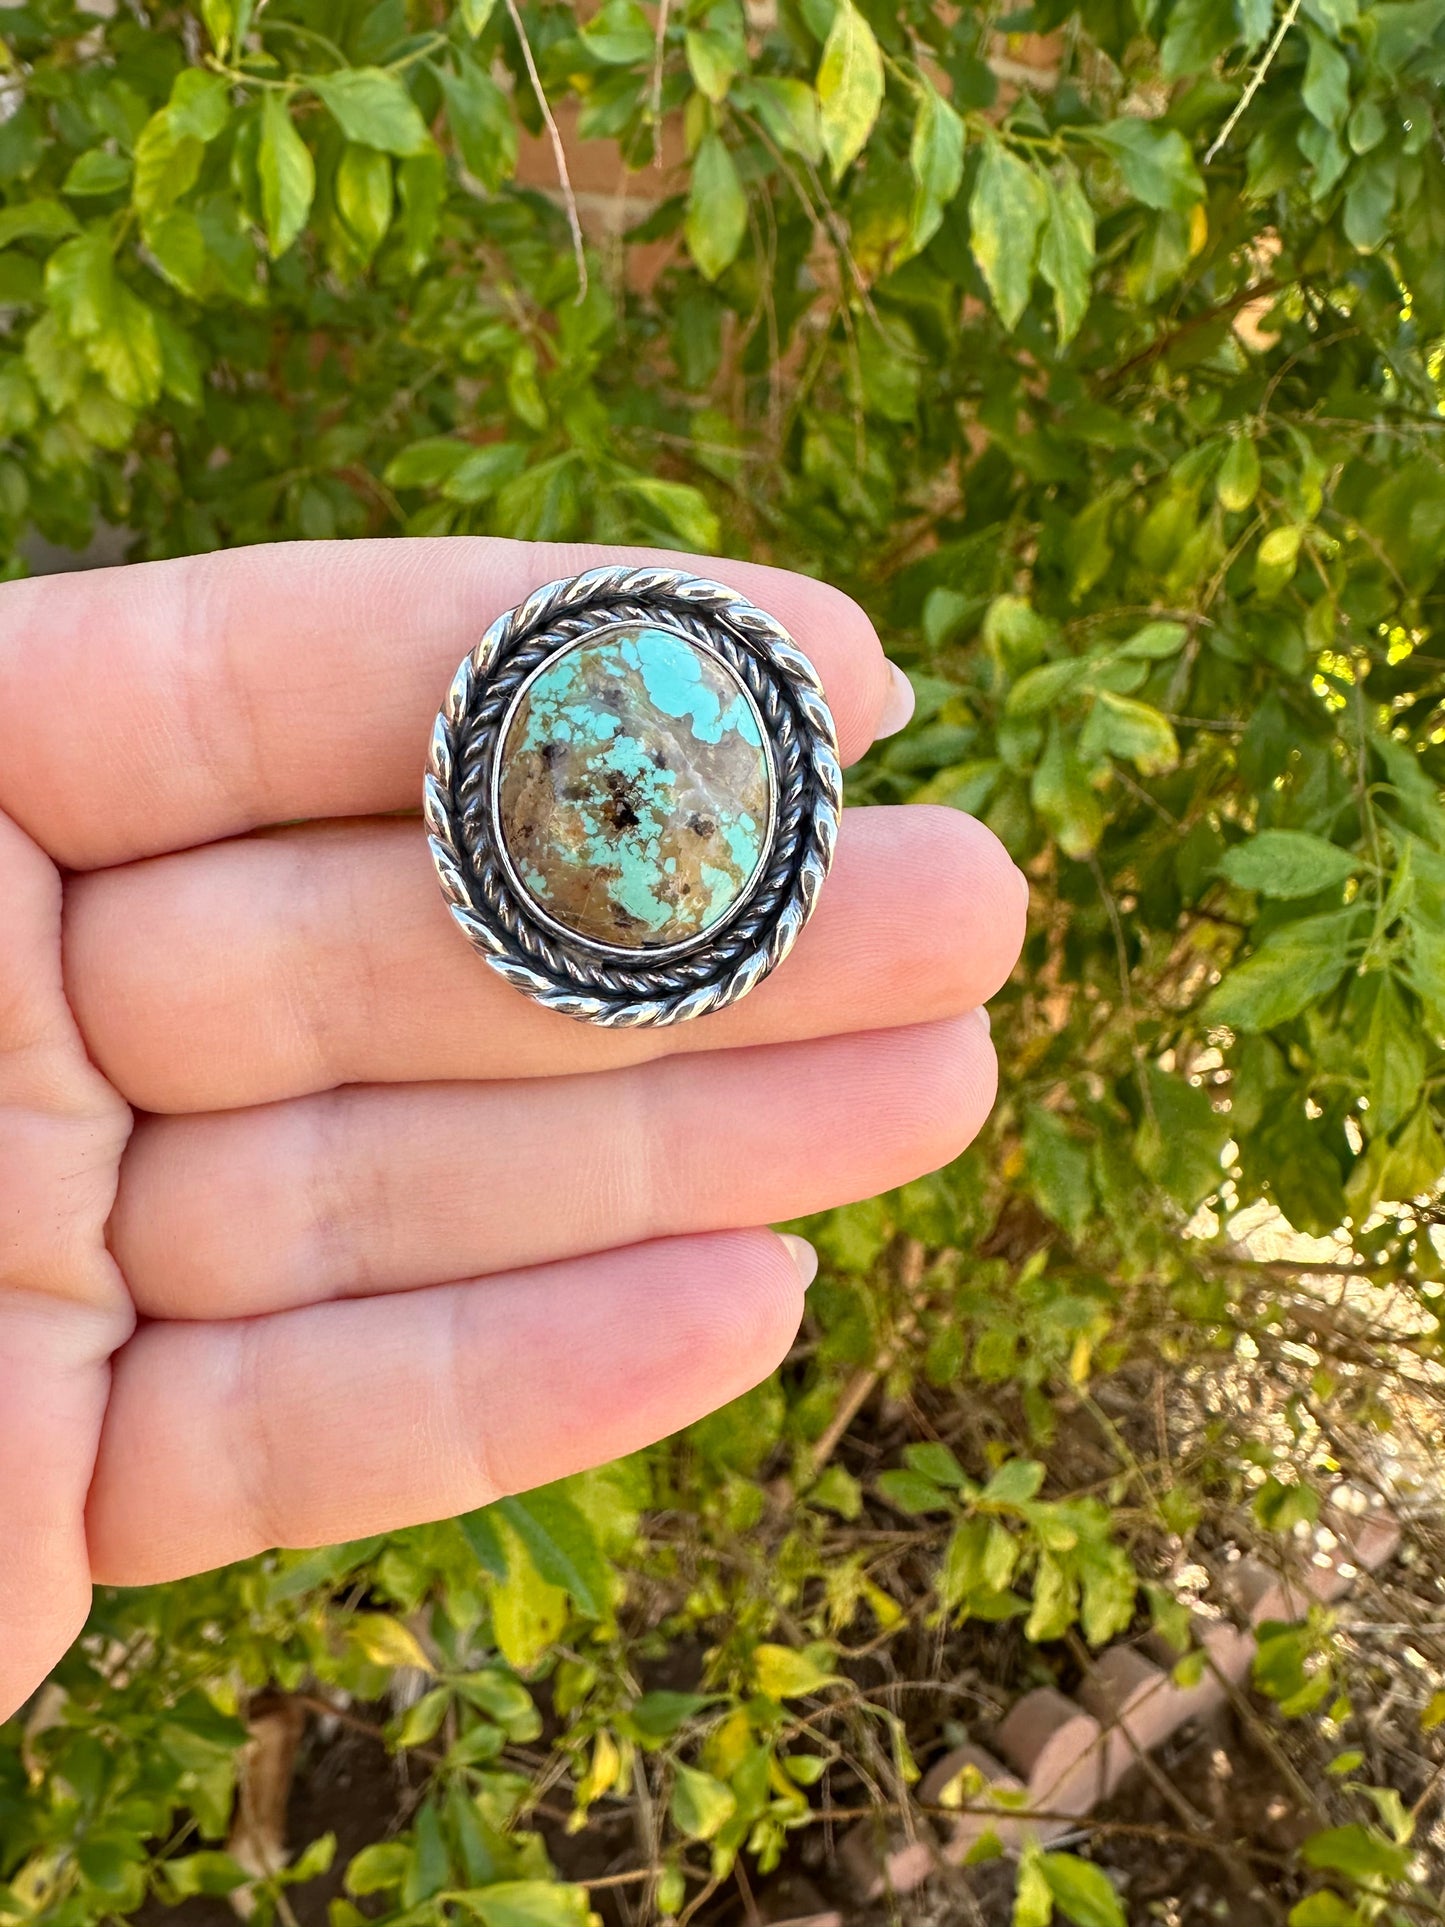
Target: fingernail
981,1013
898,705
1023,884
802,1255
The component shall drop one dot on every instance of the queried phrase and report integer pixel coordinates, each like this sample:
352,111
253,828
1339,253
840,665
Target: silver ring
632,795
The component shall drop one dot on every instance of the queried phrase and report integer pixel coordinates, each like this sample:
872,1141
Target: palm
398,1240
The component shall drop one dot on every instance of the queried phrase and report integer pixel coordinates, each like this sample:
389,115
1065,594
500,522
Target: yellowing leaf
1275,560
782,1672
1007,210
387,1642
1133,731
850,87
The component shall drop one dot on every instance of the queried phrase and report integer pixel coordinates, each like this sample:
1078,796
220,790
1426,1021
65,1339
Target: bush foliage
1097,350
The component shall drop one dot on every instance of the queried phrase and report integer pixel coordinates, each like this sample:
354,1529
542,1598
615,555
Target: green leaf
287,176
1292,969
1287,863
1038,690
788,109
1325,90
422,1721
378,1868
712,62
1157,163
783,1673
207,1872
200,104
701,1805
126,349
38,220
1363,1853
1033,1897
1155,642
95,172
1062,794
717,208
619,34
936,157
481,120
850,87
167,165
476,14
363,195
1082,1892
1066,252
562,1544
1015,1483
373,108
912,1491
1275,560
1007,210
1055,1603
80,280
529,1613
936,1461
1180,1138
683,510
528,1903
1198,32
482,471
1058,1169
1237,482
1370,201
478,1528
1324,1909
1135,732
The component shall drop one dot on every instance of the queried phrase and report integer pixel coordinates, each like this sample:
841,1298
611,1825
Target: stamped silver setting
579,976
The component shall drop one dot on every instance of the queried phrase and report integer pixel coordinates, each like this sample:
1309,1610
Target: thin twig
1256,80
554,134
658,49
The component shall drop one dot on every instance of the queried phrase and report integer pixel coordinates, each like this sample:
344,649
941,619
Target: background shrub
1098,351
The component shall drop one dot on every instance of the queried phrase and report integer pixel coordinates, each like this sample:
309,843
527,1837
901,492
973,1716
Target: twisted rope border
577,979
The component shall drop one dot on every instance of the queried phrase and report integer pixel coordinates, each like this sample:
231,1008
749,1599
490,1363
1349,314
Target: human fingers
385,1187
273,966
334,1421
169,703
63,1307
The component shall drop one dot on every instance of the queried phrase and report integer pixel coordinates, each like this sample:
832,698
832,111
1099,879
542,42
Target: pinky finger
335,1421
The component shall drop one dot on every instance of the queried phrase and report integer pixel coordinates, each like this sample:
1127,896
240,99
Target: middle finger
276,965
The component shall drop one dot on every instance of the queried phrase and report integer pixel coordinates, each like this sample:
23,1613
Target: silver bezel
593,982
662,952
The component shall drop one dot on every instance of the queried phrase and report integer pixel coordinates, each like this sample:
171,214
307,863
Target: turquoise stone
635,798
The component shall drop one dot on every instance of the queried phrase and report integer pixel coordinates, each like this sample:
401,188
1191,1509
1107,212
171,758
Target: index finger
165,704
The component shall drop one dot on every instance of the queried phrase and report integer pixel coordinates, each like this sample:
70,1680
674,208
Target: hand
310,1227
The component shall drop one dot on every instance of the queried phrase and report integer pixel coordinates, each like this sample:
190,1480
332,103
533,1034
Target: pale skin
310,1227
